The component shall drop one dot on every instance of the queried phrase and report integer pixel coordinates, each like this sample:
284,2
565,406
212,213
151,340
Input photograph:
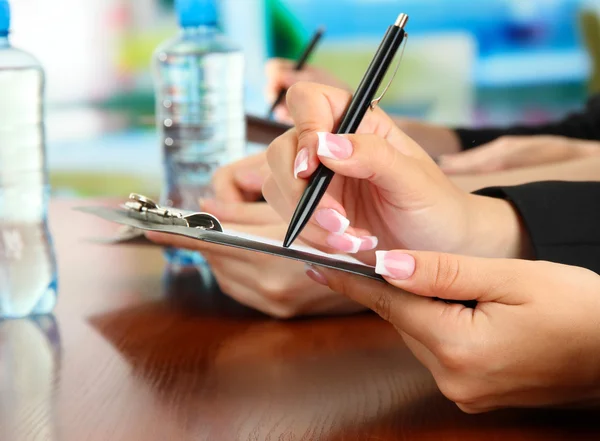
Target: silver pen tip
401,20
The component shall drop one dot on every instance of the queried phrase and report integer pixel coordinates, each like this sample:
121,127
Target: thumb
455,277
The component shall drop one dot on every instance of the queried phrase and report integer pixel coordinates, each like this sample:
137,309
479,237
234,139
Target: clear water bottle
199,85
28,277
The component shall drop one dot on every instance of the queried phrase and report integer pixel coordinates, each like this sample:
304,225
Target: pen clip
376,101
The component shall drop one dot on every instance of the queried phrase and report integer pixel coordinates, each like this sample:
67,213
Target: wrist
496,230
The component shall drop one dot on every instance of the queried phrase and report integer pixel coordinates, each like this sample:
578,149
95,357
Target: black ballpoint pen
300,64
359,105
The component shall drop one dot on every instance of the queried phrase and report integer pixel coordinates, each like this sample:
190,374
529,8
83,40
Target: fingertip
301,163
316,275
369,243
281,113
305,164
344,242
396,265
332,220
207,205
155,237
275,64
333,146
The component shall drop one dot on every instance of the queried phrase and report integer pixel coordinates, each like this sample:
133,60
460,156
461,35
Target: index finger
320,108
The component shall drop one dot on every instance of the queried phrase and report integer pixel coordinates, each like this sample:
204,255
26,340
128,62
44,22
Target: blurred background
467,63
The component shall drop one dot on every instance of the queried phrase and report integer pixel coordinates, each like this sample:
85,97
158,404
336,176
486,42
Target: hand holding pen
360,103
387,192
308,51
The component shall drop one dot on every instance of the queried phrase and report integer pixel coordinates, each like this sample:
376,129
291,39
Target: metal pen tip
401,21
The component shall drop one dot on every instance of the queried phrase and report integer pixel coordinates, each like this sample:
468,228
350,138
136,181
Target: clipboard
263,131
142,213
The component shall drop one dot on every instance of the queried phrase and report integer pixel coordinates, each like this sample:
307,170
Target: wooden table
136,354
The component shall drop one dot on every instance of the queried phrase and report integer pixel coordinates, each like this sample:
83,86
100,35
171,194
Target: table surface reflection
136,353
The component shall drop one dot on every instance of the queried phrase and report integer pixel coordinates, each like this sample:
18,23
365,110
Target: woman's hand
275,286
384,184
510,152
281,75
533,339
272,285
242,180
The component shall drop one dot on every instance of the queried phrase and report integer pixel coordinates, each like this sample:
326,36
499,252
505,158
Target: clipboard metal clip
145,209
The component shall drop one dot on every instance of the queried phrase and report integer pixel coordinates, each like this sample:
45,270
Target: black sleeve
582,125
562,219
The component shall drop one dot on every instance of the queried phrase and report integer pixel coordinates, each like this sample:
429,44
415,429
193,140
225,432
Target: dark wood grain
137,353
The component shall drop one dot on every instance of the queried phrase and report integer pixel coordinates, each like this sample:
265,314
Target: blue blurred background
466,63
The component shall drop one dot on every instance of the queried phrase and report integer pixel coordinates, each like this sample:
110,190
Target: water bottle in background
28,278
199,86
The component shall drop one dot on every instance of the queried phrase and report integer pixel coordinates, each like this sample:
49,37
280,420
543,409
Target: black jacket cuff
562,219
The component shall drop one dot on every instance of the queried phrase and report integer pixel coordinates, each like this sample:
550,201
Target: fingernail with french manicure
332,220
301,163
395,264
344,242
368,243
334,146
315,275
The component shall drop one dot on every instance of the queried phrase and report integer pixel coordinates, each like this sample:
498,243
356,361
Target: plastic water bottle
199,86
28,277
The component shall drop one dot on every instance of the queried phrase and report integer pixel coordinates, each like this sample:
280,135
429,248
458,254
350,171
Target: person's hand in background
273,285
533,340
238,188
385,184
281,75
242,180
510,152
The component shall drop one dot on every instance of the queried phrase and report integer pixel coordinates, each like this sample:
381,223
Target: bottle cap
4,18
196,12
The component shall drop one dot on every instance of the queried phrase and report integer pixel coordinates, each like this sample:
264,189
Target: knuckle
269,188
281,313
275,291
455,358
383,304
468,409
278,146
225,286
337,284
273,151
458,392
446,271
